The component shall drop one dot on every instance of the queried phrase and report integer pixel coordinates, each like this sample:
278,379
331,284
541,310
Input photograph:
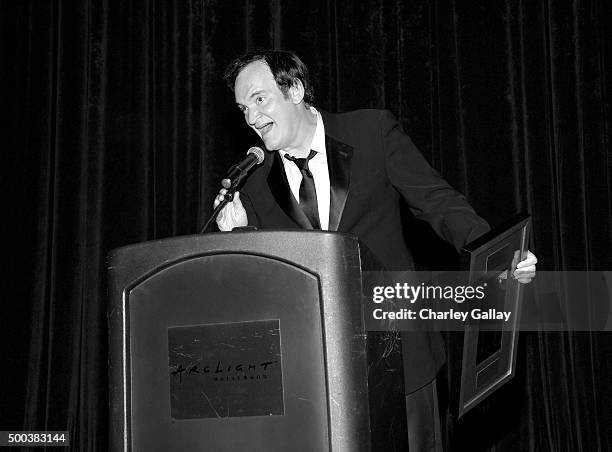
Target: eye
242,108
259,99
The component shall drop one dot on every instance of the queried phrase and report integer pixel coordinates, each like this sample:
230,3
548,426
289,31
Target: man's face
266,110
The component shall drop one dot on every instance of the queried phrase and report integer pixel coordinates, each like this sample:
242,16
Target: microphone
236,173
255,156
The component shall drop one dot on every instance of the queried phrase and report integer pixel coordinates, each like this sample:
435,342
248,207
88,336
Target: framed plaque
485,359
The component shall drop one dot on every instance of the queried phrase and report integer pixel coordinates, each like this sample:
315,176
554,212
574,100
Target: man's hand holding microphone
233,214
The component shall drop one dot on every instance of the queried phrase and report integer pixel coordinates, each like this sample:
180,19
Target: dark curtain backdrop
117,128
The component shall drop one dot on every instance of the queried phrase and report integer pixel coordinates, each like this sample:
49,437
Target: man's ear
296,92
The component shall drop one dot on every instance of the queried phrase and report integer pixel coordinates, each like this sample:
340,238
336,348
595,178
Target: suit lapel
339,166
279,186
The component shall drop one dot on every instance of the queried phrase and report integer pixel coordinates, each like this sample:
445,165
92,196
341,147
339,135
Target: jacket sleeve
252,218
429,196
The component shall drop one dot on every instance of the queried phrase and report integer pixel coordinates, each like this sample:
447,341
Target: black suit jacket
372,162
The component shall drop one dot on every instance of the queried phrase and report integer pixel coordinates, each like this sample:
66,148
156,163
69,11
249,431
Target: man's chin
270,146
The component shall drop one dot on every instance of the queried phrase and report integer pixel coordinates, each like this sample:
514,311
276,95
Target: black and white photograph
318,225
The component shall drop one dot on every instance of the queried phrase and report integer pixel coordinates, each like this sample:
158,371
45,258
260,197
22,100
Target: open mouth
265,128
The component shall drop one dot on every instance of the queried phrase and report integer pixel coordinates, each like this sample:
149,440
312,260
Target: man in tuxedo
346,172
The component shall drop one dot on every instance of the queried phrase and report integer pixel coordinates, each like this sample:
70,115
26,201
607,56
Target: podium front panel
238,349
231,294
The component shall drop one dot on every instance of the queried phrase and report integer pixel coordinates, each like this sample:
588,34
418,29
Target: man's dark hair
286,68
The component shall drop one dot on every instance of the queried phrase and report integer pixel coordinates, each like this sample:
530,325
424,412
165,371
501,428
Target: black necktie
308,194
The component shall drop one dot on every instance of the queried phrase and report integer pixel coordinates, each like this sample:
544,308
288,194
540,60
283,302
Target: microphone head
258,152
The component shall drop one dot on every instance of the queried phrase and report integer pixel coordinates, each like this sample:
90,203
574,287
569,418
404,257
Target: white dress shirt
319,170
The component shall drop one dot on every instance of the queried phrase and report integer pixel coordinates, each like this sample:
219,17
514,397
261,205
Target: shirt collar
318,140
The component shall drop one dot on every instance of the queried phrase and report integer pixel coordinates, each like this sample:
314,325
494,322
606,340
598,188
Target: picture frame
485,358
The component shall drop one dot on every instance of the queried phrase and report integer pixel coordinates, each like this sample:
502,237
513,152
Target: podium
237,341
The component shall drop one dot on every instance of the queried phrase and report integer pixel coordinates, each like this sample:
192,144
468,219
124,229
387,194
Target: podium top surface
237,239
305,248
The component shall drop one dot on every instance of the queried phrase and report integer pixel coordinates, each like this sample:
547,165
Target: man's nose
252,115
